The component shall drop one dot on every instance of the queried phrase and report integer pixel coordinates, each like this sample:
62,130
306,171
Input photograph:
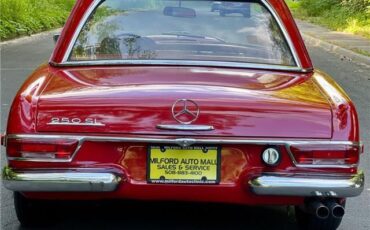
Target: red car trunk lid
134,100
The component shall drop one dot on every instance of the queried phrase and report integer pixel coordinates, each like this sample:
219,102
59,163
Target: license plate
188,165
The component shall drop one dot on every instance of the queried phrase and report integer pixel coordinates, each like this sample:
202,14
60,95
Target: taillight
326,154
41,149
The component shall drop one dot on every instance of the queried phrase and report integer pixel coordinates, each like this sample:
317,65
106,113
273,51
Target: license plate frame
210,154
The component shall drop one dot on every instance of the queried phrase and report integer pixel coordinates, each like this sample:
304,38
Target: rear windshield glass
185,30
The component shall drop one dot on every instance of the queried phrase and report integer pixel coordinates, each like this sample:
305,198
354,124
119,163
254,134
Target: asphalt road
19,59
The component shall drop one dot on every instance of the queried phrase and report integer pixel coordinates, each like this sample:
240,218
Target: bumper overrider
266,184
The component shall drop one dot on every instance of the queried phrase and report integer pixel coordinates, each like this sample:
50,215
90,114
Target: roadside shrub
22,17
351,16
357,5
318,7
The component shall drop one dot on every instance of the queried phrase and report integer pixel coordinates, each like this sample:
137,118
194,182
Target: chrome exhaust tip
318,209
336,210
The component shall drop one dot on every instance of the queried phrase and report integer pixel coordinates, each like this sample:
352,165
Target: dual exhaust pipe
325,209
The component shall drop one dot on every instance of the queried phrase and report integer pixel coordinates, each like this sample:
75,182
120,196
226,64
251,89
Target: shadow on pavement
169,215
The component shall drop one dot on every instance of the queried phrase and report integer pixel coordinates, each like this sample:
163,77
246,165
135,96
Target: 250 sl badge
75,121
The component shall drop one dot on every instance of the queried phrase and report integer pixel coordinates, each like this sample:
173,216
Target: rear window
243,32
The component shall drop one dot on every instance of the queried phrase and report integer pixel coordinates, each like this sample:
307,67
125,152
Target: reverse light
41,149
345,154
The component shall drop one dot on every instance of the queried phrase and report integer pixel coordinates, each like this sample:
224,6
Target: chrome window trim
77,32
219,64
182,141
94,5
285,33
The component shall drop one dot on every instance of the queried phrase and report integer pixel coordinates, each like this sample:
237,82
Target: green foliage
24,17
357,5
351,16
316,8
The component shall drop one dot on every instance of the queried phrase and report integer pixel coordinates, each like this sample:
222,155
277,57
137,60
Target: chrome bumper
279,185
306,186
31,181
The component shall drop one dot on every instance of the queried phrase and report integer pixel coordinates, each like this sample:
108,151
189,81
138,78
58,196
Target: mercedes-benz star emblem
185,111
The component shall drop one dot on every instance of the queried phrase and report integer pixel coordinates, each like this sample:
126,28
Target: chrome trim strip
187,127
174,140
28,181
183,141
278,185
325,166
66,62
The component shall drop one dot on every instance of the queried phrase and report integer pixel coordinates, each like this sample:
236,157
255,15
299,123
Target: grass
26,17
352,16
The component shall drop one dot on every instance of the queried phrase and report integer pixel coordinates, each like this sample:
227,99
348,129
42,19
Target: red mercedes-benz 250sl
165,100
